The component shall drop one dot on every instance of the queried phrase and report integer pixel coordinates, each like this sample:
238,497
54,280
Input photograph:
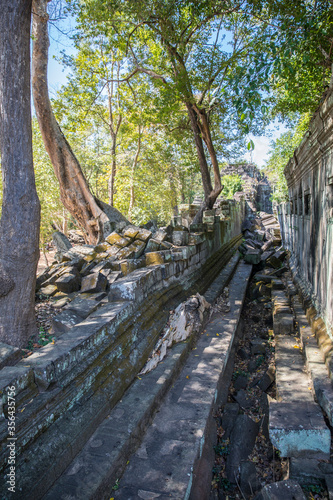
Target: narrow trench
245,459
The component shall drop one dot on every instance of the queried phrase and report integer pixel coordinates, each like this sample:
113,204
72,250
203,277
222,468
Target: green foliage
231,184
282,150
52,210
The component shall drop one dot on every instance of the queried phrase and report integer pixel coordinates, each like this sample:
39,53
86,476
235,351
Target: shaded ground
248,395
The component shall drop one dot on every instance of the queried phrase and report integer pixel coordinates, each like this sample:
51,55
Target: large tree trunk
74,190
19,225
200,128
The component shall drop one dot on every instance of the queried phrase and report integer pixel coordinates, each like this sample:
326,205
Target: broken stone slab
69,282
242,440
248,480
64,321
309,470
258,346
180,238
274,262
136,285
243,399
138,247
253,257
16,376
83,306
102,247
286,490
131,231
105,265
266,255
259,234
143,235
9,355
267,245
61,242
152,245
160,235
248,234
230,412
49,290
94,283
277,284
298,429
82,250
240,382
117,239
125,253
113,276
267,379
86,340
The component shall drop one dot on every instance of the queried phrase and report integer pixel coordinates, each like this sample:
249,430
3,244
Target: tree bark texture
19,225
201,131
74,190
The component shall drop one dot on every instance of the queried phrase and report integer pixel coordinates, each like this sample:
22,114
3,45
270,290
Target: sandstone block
154,258
180,238
49,290
143,235
9,355
69,282
286,490
131,232
152,245
113,238
93,283
298,429
253,257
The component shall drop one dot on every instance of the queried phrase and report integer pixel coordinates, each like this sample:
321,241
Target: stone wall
307,219
65,389
257,190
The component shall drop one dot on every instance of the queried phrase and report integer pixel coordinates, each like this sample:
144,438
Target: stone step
296,424
174,450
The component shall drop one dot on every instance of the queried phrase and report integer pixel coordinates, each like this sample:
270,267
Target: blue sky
57,77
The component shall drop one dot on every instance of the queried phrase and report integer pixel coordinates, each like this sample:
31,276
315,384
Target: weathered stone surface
113,238
64,321
138,247
143,235
82,306
69,282
298,429
252,257
102,247
134,286
258,346
180,238
230,412
131,231
160,235
248,480
243,399
242,439
49,290
152,245
286,490
82,250
61,242
104,265
267,379
125,253
18,376
94,283
154,258
9,355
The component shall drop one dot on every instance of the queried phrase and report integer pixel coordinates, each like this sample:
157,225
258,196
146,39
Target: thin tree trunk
20,220
113,171
74,191
134,164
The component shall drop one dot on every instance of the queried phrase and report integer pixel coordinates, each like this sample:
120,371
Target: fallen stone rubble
262,238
